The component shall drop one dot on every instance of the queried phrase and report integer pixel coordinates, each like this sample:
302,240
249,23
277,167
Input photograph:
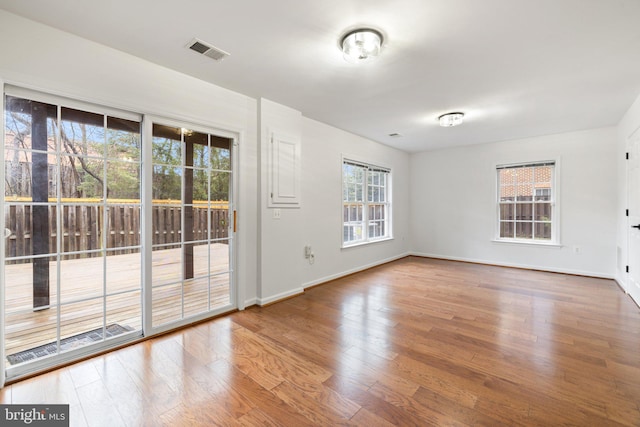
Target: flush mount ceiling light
451,119
361,45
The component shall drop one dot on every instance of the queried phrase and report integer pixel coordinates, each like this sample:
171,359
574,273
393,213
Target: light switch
276,214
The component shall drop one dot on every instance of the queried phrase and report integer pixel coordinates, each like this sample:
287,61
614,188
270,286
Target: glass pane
507,193
167,145
200,260
507,211
523,175
19,178
123,181
507,229
32,230
524,211
524,192
167,264
82,178
219,255
167,224
22,277
167,304
198,144
219,221
220,182
543,193
543,230
82,133
167,183
220,153
507,177
359,193
81,227
30,335
124,272
123,140
196,296
20,124
220,290
84,318
524,230
200,223
543,212
124,312
81,278
123,226
543,174
200,186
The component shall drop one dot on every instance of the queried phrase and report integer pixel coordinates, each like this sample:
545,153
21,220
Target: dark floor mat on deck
67,343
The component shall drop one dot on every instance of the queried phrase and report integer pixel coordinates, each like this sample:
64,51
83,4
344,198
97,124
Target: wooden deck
82,285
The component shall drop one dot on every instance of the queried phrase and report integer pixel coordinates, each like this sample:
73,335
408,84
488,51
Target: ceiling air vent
207,50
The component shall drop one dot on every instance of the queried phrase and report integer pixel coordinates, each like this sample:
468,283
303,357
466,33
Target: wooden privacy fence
82,227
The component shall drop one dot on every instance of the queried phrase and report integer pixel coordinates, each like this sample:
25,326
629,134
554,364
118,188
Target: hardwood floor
415,342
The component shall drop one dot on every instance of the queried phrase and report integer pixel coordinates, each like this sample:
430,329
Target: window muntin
526,204
366,205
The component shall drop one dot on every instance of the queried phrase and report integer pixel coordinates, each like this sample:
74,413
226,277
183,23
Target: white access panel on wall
284,171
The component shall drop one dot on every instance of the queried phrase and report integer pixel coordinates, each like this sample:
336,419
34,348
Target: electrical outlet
307,251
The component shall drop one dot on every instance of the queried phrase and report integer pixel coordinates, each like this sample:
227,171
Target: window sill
527,243
368,242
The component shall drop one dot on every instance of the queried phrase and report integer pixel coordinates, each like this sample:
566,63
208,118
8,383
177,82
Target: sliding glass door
72,214
191,217
115,228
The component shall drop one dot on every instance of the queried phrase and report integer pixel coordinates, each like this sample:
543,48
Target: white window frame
554,199
388,203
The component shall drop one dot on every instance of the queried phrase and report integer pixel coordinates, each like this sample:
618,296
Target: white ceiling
516,68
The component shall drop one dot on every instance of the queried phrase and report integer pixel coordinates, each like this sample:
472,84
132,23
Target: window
526,205
366,203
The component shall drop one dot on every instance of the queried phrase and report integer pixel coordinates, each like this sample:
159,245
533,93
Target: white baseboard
280,296
516,265
353,270
300,290
249,302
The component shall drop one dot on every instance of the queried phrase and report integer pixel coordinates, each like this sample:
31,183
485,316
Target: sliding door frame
147,246
236,300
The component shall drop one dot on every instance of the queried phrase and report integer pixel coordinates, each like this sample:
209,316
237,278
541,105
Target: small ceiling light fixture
451,119
361,45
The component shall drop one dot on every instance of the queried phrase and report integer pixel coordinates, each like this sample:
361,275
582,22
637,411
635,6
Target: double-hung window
526,202
366,203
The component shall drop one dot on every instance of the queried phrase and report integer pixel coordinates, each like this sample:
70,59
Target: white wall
39,57
279,273
454,211
323,148
318,221
629,123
